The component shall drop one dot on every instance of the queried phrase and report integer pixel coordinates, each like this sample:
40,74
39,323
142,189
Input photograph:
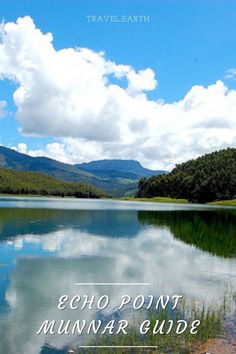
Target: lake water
48,245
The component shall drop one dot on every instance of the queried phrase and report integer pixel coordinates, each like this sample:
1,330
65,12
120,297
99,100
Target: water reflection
109,223
45,252
211,231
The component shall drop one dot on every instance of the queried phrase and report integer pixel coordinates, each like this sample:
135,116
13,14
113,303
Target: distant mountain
129,169
116,177
14,160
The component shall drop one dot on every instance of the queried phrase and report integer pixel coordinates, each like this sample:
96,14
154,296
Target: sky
148,80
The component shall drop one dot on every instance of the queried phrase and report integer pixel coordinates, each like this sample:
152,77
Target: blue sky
185,43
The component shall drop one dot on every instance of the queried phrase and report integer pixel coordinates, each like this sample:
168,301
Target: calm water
48,245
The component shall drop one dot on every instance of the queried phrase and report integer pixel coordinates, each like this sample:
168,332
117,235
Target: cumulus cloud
65,93
21,147
70,94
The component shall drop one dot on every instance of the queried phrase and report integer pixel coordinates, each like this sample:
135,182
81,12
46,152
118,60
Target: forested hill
21,182
116,177
208,178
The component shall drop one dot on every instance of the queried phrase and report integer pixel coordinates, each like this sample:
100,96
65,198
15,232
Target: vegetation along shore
207,179
213,324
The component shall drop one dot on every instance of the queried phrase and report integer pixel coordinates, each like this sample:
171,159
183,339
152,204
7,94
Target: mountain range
116,177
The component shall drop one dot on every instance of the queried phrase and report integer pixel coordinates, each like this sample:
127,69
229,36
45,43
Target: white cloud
69,94
21,147
65,93
71,151
144,80
230,73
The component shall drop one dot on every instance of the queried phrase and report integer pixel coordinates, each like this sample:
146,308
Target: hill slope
114,181
208,178
21,182
129,169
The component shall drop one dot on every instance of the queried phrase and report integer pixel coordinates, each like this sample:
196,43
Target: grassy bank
132,199
177,201
155,200
212,322
231,202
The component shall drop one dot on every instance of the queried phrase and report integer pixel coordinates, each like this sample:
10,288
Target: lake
49,245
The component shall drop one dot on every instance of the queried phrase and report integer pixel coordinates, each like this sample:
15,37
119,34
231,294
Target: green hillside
116,177
21,182
209,178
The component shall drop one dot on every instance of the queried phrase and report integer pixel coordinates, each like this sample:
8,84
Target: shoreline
229,203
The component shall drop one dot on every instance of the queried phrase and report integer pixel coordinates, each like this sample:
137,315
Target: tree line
208,178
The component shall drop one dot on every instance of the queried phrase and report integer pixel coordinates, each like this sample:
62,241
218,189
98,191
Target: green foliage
209,178
21,182
155,200
113,176
211,326
225,202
